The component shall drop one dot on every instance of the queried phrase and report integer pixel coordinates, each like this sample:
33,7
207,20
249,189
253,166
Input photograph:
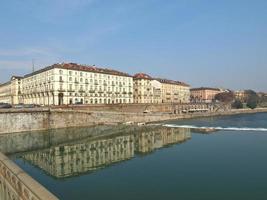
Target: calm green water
161,163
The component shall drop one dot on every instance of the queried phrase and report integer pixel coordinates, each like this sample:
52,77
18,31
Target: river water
214,158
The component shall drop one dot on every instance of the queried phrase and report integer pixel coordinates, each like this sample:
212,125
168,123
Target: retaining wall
45,119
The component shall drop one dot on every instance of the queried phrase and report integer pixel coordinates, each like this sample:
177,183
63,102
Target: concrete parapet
15,184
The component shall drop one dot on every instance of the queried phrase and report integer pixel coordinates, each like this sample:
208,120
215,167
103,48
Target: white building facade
70,83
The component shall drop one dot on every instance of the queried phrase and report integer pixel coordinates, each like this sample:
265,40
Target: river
206,158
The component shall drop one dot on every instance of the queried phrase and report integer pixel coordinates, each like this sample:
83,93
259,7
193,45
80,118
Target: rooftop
142,76
172,82
205,88
79,67
161,80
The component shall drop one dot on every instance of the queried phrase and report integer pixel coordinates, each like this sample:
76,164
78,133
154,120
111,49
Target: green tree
237,104
252,102
252,99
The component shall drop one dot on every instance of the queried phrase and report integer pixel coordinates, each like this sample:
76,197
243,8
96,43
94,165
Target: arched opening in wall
71,101
81,101
60,98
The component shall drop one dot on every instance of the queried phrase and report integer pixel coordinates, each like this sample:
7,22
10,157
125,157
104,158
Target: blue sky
217,43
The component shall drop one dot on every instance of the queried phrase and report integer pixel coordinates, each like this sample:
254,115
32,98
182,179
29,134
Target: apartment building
156,90
146,89
10,91
70,83
174,91
204,94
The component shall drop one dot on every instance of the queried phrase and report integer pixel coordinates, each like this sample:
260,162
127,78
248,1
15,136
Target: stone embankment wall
137,108
15,184
45,119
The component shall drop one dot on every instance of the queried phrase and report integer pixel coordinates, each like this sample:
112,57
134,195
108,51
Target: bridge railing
15,184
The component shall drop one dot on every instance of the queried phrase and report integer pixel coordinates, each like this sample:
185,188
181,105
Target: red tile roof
78,67
142,76
145,76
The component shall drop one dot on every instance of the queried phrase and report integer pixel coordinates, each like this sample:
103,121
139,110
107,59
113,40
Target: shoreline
16,121
217,114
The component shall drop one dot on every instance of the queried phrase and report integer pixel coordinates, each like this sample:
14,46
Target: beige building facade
146,89
174,91
155,90
204,94
241,95
71,83
10,91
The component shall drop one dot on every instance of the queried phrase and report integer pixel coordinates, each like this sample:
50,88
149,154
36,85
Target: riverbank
45,119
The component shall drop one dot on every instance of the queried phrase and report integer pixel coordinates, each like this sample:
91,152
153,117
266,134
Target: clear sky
217,43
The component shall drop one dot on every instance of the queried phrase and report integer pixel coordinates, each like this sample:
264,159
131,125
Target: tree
252,99
237,104
252,102
225,97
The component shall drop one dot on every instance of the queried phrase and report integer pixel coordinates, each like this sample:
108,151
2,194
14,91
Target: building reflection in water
89,155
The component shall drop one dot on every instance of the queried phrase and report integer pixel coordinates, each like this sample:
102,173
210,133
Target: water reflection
90,154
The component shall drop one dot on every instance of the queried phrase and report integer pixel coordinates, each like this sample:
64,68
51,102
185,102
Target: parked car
31,106
5,105
21,105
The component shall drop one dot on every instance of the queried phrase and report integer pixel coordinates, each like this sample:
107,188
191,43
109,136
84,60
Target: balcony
81,91
92,91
